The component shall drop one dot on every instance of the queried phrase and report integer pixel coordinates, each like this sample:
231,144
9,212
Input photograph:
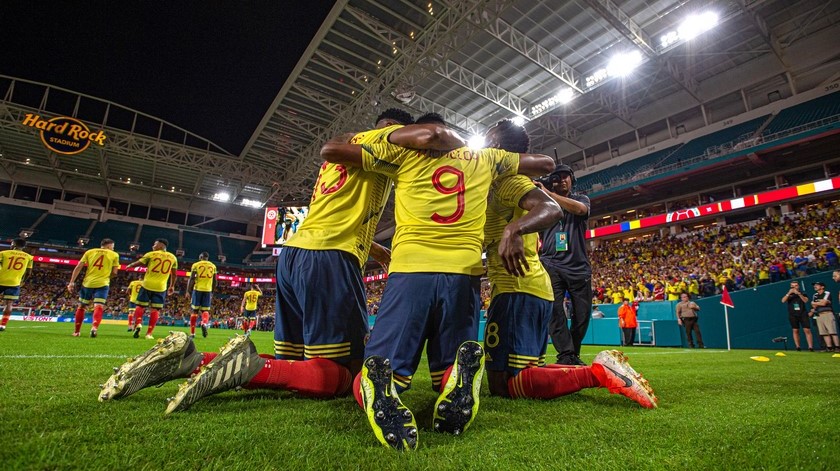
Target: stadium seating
701,145
149,233
236,249
121,232
63,230
623,170
16,218
803,113
196,242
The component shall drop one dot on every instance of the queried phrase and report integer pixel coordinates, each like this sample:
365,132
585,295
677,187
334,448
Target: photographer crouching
563,253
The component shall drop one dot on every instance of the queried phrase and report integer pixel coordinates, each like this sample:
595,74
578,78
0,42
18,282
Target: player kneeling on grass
15,265
102,265
516,334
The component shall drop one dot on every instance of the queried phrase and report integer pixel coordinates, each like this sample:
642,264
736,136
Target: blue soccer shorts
95,295
516,334
10,293
438,310
201,300
247,313
153,299
321,306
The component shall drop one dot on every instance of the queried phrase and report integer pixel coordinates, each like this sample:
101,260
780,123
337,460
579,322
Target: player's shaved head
393,116
203,256
162,241
106,242
507,135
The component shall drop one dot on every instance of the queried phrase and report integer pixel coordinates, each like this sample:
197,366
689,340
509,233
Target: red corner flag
725,299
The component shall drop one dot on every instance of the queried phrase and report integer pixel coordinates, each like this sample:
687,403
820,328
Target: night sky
210,67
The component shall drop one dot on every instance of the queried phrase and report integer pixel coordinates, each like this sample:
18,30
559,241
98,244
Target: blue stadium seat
622,171
121,232
55,229
236,249
149,233
697,147
16,218
196,242
803,113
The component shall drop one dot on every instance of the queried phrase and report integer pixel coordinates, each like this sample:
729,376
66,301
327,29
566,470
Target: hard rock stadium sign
64,135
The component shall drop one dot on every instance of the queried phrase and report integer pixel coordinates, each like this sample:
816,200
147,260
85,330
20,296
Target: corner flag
725,299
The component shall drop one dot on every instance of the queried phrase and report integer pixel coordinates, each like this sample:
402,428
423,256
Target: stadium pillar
676,229
771,211
721,221
787,208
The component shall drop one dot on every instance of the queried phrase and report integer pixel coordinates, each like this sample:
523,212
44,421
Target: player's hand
512,253
71,287
170,291
540,185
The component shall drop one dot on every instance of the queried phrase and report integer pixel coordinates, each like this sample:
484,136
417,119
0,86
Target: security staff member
564,256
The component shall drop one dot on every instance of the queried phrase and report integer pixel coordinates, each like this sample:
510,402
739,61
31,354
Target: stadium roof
474,62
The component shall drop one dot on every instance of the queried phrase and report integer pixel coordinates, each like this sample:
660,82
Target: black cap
563,168
818,283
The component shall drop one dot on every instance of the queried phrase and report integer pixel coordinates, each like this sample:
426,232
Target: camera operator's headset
563,168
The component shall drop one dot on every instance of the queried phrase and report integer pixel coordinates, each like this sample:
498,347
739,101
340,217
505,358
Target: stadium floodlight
519,120
695,25
251,203
622,65
566,95
223,197
562,97
476,142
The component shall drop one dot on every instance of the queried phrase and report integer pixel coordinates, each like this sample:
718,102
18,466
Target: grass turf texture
718,410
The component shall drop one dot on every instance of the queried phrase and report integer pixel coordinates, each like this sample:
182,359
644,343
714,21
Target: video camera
554,177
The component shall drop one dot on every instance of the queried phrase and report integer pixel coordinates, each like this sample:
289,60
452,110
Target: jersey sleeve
31,258
505,164
145,258
382,158
510,190
115,258
84,260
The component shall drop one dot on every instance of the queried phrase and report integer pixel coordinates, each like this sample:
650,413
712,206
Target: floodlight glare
251,203
694,25
623,64
519,121
223,197
565,95
476,142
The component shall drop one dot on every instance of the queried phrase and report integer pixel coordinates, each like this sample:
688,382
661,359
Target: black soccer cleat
392,423
204,330
137,331
457,405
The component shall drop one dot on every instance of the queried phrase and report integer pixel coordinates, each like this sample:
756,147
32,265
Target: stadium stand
121,232
804,113
705,144
60,230
236,249
16,218
149,233
623,170
196,242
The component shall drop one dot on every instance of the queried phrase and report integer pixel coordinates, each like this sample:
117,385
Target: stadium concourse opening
415,207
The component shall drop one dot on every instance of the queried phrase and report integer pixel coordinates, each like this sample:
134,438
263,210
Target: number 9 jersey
441,200
158,265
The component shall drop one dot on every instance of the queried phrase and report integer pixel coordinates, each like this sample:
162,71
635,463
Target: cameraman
563,253
798,315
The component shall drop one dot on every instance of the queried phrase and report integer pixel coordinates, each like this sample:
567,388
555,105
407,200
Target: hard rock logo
64,135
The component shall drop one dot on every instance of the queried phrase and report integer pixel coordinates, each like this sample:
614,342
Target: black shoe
137,332
457,405
570,360
798,349
204,330
810,349
392,422
92,333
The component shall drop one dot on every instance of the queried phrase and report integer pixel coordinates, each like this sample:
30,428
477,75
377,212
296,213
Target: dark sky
210,67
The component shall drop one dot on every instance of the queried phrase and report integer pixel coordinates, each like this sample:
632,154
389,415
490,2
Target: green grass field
718,410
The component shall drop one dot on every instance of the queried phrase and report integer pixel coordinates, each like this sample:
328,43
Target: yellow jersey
13,264
159,263
502,208
100,264
441,202
251,298
134,290
203,273
346,205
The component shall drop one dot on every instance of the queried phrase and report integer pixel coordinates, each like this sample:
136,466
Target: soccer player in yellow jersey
15,265
433,290
102,265
201,285
160,267
248,309
325,327
516,335
133,290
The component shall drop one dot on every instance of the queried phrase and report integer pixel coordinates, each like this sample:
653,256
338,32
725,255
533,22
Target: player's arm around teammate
543,212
